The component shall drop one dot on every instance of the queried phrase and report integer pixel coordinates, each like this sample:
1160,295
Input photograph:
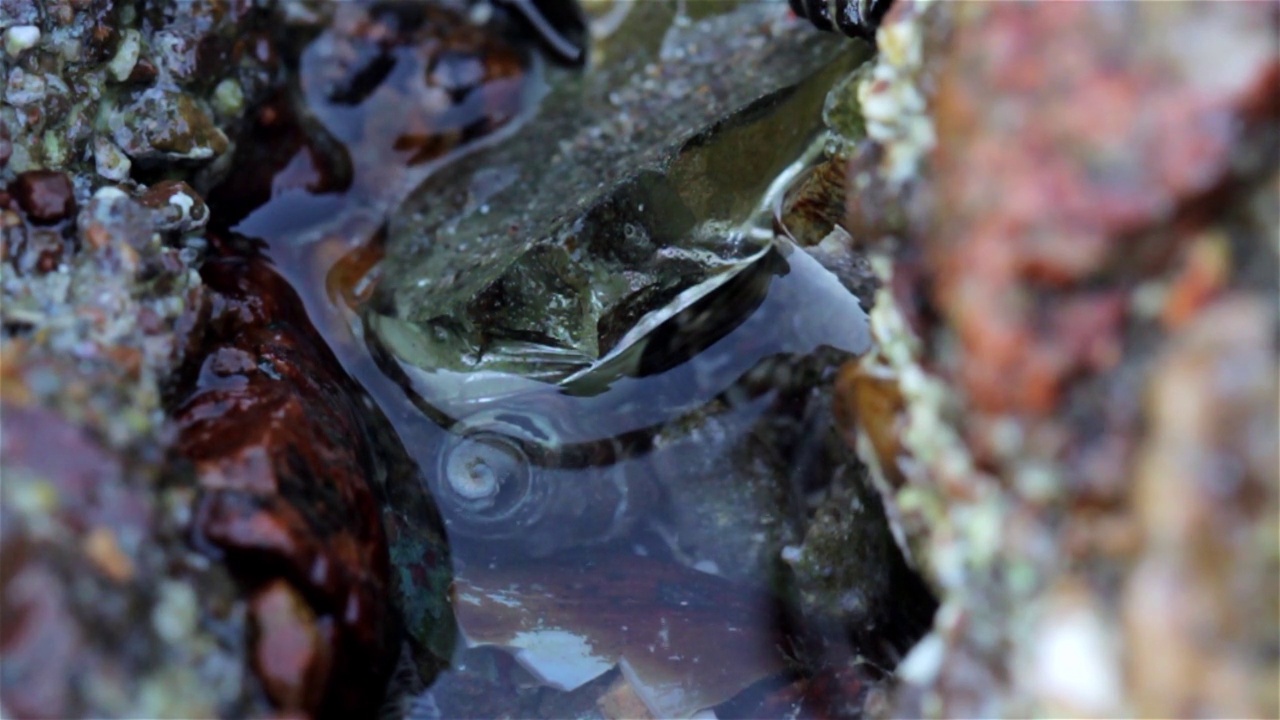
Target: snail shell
505,475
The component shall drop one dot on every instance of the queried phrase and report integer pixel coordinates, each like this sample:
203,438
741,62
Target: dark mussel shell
855,18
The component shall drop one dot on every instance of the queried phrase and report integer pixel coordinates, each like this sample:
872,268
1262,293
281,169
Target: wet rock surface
375,105
101,303
636,363
116,91
283,467
632,156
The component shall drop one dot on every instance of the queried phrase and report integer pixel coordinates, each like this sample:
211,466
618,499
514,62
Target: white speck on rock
183,202
110,161
1075,664
175,616
923,663
126,55
109,193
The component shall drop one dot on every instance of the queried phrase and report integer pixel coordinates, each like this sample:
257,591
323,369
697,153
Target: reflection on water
682,639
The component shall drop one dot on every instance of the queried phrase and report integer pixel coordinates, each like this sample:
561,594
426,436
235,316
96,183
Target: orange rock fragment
291,653
1205,271
103,548
870,399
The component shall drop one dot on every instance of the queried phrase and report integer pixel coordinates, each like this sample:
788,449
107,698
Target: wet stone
281,457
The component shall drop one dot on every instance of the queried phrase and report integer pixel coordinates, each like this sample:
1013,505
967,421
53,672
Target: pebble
24,88
175,206
19,38
126,55
228,98
45,195
110,161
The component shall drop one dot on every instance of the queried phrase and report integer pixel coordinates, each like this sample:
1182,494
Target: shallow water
640,521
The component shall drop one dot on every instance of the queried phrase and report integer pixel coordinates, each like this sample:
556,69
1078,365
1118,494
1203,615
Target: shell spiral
508,475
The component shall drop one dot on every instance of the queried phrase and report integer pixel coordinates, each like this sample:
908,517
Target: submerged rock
684,640
615,198
283,463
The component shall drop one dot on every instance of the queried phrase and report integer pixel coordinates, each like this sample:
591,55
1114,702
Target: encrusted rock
106,609
1062,219
176,206
71,66
166,125
96,564
629,155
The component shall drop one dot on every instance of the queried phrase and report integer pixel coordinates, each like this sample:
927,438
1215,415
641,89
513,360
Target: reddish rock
46,196
175,205
143,73
1102,188
1071,139
95,598
284,465
1204,273
88,479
